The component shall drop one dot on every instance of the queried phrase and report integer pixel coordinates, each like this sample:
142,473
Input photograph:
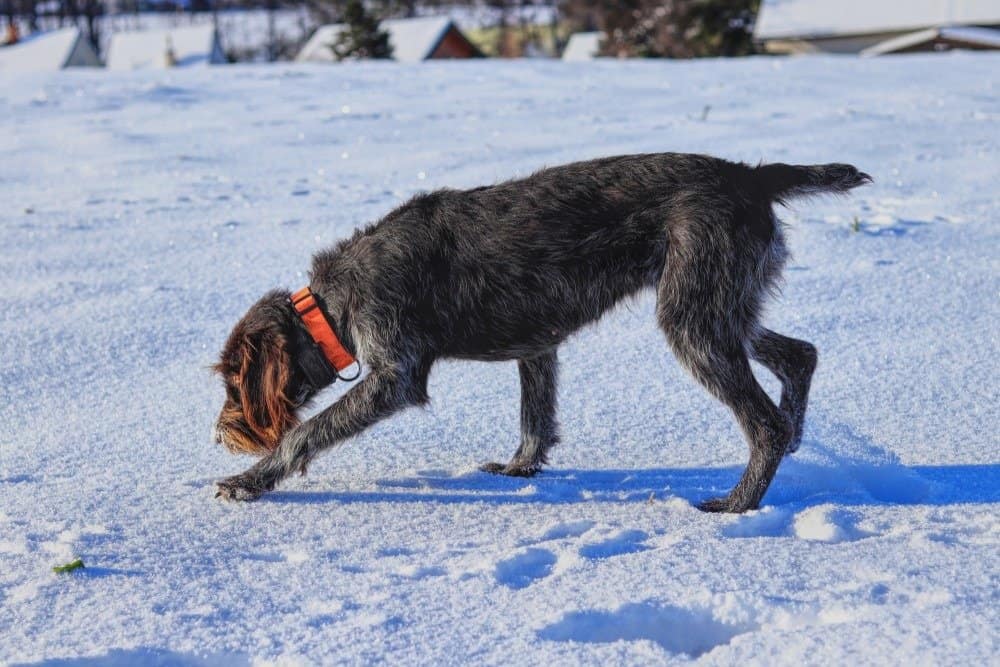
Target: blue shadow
796,483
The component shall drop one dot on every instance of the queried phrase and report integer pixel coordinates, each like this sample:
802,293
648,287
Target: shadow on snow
837,466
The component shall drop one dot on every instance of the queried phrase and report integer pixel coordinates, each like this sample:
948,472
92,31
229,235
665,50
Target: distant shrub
668,28
361,36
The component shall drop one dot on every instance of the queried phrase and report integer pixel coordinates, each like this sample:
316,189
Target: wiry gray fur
508,272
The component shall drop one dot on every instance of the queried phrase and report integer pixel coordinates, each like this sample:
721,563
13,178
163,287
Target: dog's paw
239,487
511,469
724,504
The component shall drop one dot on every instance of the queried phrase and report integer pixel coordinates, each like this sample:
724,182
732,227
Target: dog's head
255,366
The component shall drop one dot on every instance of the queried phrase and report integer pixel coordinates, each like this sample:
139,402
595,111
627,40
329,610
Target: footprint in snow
533,562
625,542
675,629
524,568
561,531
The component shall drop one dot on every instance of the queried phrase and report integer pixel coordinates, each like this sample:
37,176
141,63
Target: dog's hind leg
539,429
378,395
708,301
724,369
793,362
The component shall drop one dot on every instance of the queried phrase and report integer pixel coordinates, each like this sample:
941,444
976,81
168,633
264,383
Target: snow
965,35
194,45
144,211
582,46
412,40
821,18
45,51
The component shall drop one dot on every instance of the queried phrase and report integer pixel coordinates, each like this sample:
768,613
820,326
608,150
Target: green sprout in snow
69,567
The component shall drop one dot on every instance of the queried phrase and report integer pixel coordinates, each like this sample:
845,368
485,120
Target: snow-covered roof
824,18
971,35
47,51
583,46
242,30
145,49
412,40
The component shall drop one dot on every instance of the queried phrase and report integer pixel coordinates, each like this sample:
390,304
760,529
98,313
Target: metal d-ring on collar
350,379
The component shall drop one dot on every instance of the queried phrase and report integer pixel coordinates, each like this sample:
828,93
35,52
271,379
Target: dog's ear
264,375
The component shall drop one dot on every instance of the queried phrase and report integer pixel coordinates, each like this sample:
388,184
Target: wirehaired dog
508,272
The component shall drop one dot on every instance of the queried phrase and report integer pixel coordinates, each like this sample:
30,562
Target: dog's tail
786,181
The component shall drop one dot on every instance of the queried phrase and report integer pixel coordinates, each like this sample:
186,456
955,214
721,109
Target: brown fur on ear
257,412
263,376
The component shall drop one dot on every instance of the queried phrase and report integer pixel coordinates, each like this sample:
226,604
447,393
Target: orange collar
316,324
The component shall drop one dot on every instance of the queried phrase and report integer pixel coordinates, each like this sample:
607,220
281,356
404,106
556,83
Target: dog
508,272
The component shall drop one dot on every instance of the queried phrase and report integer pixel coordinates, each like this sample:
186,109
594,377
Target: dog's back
489,265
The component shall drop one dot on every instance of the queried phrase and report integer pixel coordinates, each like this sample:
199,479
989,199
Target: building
245,34
582,46
874,26
938,39
412,40
188,46
49,51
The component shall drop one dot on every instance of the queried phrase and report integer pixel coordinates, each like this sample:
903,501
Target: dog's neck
339,317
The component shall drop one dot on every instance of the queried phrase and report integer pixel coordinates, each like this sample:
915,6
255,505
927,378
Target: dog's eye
233,394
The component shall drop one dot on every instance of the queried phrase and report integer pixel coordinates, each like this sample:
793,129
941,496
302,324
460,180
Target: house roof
583,46
145,49
790,19
412,40
45,51
969,35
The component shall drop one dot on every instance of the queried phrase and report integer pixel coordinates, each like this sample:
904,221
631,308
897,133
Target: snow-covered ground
142,213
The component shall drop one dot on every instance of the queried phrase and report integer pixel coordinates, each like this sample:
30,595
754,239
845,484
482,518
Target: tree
91,10
361,36
668,28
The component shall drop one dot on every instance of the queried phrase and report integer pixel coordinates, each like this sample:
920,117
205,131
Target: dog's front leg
377,396
539,428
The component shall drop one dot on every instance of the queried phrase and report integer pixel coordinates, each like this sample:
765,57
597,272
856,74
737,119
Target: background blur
132,34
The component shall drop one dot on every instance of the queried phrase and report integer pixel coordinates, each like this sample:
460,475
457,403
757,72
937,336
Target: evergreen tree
360,37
